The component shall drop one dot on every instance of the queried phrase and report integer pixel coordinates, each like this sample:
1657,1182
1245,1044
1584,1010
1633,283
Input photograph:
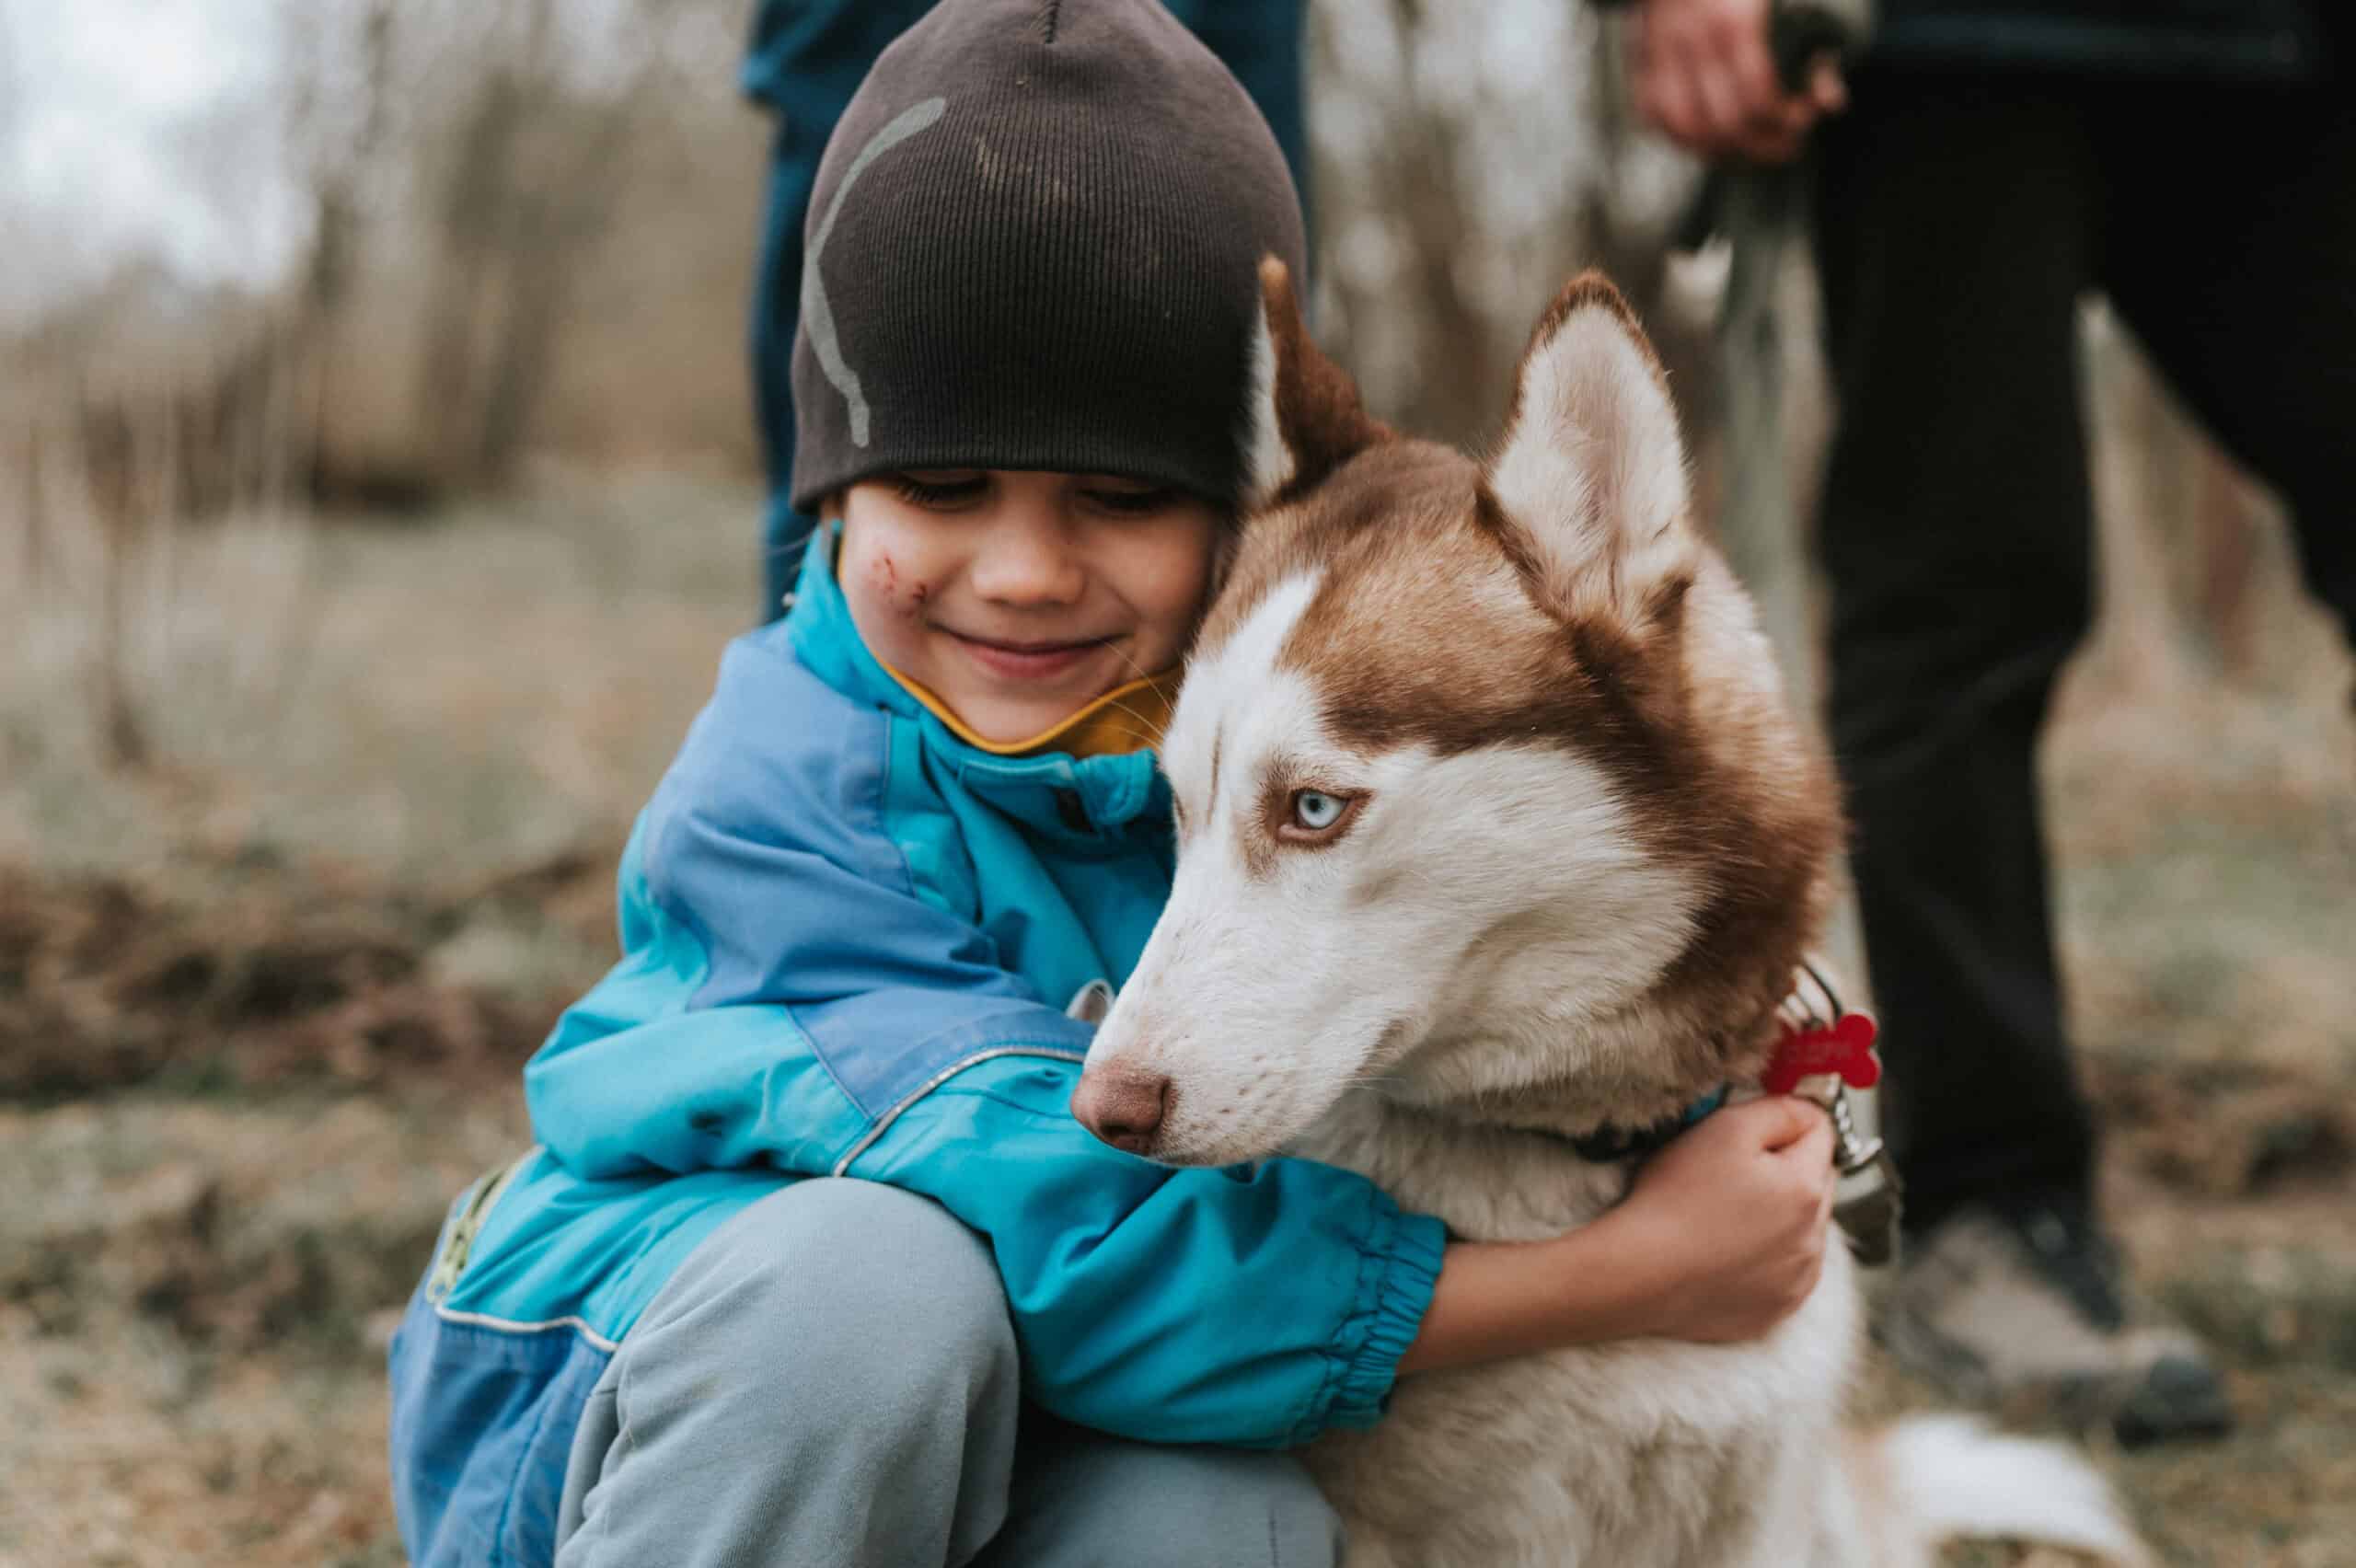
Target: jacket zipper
453,1261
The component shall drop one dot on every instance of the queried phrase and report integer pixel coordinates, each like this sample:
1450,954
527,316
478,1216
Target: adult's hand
1703,73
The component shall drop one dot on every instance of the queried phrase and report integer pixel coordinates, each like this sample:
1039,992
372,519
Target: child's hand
1722,1237
1735,1213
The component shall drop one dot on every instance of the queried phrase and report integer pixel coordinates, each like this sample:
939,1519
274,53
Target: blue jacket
848,939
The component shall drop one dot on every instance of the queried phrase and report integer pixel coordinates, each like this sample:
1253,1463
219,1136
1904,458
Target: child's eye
941,490
1130,502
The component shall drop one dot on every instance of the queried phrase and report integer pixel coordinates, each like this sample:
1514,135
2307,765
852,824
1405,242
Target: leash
1826,1050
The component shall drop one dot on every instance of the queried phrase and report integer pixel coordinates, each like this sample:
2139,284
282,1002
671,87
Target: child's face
1018,597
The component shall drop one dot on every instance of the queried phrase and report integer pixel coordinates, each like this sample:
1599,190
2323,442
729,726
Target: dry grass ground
262,1008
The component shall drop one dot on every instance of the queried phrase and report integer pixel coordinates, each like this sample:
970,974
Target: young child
812,1264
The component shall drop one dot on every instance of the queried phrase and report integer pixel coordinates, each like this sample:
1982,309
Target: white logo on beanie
817,316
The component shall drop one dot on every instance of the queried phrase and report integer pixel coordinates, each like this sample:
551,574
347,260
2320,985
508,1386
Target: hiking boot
2021,1310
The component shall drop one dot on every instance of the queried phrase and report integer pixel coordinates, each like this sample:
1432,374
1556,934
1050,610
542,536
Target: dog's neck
1485,1182
1504,1159
1527,1066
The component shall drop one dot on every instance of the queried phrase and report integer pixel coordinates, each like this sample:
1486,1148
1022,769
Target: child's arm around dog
784,960
1723,1235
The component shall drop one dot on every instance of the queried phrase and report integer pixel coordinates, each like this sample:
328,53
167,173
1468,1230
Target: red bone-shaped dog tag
1846,1048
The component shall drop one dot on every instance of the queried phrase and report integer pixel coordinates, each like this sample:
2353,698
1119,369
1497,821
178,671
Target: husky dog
1496,834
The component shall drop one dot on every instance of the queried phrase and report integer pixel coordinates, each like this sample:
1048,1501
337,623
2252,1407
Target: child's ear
1305,417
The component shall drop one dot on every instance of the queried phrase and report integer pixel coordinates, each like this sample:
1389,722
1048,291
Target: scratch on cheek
885,575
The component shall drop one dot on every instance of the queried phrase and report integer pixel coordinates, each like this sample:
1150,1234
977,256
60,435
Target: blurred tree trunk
33,547
530,186
1434,292
337,262
110,461
562,217
1418,174
475,207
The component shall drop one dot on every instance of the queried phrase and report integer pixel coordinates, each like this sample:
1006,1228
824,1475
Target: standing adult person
806,59
1993,161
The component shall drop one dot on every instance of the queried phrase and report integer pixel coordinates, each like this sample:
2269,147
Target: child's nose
1029,564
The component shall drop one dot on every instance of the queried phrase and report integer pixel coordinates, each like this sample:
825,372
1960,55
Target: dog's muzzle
1123,1105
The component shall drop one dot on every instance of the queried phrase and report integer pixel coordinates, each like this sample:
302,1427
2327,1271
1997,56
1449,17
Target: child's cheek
905,597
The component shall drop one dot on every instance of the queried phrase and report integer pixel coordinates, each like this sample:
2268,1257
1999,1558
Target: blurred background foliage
378,486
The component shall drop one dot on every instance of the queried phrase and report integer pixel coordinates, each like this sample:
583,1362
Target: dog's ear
1588,486
1305,420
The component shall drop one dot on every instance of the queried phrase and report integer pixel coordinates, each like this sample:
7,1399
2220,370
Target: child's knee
840,1347
849,1283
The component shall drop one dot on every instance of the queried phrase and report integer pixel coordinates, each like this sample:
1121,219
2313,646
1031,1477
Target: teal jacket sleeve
785,997
1250,1306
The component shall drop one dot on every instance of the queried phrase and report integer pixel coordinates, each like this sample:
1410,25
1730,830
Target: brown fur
1322,420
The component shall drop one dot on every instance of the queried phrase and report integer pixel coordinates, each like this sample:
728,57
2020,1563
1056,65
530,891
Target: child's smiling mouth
1027,659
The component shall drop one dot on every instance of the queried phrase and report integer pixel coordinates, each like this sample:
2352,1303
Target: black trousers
1958,223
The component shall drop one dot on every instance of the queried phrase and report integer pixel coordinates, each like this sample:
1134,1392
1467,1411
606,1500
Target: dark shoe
2022,1310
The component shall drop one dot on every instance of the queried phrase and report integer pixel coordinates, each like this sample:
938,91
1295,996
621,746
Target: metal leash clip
1867,1217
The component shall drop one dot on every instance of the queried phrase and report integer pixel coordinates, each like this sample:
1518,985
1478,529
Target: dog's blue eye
1317,811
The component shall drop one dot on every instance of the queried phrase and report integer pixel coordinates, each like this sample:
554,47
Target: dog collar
1609,1143
1824,1046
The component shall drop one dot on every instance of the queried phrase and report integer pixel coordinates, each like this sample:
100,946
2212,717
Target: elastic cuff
1402,1269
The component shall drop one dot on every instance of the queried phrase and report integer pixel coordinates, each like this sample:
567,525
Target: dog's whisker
1145,726
1128,658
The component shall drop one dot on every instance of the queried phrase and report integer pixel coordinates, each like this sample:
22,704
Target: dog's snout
1122,1105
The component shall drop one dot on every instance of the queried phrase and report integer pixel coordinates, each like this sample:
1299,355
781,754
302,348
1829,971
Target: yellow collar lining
1128,718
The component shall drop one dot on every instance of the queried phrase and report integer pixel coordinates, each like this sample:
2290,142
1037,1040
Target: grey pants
830,1378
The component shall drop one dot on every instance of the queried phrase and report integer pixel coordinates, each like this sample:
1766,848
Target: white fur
1593,467
1268,462
1959,1478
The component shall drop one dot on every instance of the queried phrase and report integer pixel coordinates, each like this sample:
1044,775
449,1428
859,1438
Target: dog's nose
1122,1105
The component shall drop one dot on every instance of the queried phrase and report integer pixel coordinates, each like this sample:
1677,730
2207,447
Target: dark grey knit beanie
1035,243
